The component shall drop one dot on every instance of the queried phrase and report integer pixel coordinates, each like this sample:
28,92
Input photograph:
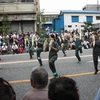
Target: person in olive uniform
78,47
54,48
30,49
39,42
96,51
64,44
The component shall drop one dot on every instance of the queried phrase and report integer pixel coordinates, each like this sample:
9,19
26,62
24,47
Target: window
75,25
27,0
69,26
82,25
97,17
89,18
75,18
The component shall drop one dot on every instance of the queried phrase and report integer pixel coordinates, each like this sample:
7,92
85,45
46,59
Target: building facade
49,20
73,19
21,13
95,7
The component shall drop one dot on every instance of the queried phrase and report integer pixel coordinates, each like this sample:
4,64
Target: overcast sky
57,5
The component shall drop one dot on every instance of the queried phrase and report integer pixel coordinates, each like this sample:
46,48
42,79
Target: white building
73,19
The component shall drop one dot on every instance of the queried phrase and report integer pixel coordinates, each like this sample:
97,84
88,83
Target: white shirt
4,47
14,46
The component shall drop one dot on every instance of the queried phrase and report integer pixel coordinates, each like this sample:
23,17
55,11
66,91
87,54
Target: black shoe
64,55
41,65
96,72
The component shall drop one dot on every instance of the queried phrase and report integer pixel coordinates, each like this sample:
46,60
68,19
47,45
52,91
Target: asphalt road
17,68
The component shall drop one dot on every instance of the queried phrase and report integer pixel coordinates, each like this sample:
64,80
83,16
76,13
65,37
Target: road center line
70,75
25,61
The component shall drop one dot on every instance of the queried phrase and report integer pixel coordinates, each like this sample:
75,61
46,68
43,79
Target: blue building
74,19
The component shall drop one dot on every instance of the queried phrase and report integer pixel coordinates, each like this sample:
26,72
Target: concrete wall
17,7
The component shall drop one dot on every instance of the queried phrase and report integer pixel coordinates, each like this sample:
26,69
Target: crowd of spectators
19,42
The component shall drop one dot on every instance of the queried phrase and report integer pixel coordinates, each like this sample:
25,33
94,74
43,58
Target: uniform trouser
52,63
39,50
96,53
77,53
63,49
30,53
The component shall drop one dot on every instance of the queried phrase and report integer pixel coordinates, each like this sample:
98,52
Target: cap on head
3,43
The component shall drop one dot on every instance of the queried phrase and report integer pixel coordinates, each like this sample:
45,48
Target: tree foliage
88,26
40,22
5,25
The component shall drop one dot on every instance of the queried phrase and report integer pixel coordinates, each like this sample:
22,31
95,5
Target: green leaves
88,26
5,25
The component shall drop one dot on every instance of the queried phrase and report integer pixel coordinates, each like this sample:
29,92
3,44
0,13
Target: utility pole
98,5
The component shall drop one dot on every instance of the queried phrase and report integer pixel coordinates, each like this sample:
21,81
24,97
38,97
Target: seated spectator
39,81
20,49
86,44
15,48
4,49
6,91
97,97
63,88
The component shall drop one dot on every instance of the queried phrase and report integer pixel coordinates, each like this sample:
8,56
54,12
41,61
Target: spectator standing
6,91
39,82
97,97
63,88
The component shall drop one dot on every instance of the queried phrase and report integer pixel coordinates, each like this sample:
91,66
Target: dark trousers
15,51
4,52
52,63
96,53
63,49
77,53
30,53
39,50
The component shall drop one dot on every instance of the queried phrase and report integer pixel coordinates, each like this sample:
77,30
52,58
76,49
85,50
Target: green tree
88,26
40,22
5,25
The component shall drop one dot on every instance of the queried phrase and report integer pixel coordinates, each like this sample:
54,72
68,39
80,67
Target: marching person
96,51
39,49
64,44
54,48
78,47
30,49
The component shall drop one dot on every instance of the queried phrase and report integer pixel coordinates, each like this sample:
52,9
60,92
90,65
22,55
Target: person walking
78,47
30,49
96,51
54,48
39,49
64,44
